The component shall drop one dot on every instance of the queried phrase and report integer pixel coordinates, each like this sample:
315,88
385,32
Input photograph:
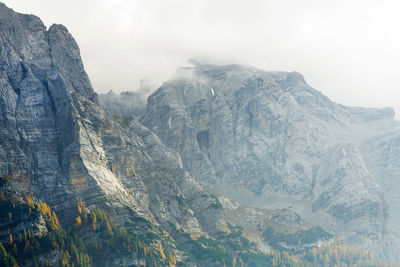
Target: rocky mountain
58,147
269,140
83,185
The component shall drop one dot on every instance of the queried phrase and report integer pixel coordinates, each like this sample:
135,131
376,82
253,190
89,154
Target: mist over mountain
221,166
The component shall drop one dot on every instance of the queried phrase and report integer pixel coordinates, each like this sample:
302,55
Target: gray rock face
58,144
267,139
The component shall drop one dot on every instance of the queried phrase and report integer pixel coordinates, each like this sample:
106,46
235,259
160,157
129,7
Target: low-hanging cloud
347,49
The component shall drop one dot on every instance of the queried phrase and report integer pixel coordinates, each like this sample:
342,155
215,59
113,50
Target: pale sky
348,49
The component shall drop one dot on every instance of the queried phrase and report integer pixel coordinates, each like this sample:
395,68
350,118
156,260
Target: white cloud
347,49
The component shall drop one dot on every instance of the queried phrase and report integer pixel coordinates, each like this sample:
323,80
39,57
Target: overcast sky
348,49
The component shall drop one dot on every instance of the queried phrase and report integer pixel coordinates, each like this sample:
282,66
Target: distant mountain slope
268,139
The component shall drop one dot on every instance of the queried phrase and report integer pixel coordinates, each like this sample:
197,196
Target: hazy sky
348,49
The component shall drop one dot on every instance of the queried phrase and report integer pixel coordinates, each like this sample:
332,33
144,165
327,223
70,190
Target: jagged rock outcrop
268,139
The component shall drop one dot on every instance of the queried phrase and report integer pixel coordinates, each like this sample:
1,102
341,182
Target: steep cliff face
57,144
280,143
35,104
